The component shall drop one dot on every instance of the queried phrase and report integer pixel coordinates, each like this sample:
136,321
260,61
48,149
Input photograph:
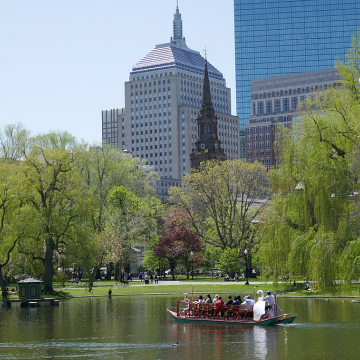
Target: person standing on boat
270,302
208,299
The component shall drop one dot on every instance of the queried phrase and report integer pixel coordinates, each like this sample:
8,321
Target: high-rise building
162,100
275,102
278,37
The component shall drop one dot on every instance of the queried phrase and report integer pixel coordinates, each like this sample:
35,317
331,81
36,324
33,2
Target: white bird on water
177,344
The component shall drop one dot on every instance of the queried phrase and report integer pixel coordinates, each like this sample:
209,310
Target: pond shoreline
282,296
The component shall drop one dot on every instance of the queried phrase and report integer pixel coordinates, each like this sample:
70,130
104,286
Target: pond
138,327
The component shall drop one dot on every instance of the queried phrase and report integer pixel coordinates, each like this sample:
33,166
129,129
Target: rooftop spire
177,37
207,109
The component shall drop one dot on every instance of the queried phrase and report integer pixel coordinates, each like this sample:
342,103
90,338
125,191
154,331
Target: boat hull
286,319
197,320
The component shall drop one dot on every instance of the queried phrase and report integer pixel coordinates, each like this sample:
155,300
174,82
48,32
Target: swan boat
258,315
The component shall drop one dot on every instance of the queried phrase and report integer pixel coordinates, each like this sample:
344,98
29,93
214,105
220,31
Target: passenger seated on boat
200,301
218,306
248,301
230,300
236,301
216,298
208,299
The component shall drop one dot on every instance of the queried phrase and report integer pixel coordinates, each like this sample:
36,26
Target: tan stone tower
207,145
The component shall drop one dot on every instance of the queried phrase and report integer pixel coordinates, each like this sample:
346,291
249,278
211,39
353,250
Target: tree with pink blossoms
178,243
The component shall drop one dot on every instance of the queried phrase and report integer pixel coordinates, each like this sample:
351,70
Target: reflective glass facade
277,37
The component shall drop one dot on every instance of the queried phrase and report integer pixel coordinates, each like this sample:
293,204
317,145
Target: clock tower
207,145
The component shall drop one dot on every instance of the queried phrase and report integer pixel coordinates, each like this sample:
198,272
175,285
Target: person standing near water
110,292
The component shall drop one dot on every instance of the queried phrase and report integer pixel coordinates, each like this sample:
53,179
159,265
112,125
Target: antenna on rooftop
205,53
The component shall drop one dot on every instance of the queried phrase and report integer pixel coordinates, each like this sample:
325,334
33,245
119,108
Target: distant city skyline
158,119
64,62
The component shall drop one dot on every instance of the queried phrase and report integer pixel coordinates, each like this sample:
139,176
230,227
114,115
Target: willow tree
56,202
223,201
312,221
13,139
11,225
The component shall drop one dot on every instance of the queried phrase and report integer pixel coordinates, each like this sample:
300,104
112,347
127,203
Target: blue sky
63,61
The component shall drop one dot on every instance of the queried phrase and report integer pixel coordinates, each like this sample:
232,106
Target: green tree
103,168
11,226
229,260
55,198
223,200
132,220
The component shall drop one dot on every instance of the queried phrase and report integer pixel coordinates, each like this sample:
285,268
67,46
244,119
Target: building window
277,107
285,104
294,103
260,108
268,106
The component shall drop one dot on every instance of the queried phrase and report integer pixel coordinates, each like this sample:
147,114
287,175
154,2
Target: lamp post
159,269
246,266
192,266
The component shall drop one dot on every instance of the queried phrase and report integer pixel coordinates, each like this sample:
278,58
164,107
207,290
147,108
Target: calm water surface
140,328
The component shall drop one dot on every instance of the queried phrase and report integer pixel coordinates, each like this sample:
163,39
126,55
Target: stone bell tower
207,145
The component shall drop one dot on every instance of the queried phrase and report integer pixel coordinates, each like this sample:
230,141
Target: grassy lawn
216,287
133,289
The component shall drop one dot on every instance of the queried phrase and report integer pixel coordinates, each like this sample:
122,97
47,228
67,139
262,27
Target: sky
64,61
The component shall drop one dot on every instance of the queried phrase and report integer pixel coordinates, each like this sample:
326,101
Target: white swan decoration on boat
259,307
261,297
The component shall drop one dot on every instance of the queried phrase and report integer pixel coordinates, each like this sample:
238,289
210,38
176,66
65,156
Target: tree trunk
98,273
3,285
49,267
91,280
172,267
109,268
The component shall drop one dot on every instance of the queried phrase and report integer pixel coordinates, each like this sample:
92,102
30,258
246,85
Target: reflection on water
140,328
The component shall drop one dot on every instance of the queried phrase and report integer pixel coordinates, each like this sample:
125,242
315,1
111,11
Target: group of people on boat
265,305
218,299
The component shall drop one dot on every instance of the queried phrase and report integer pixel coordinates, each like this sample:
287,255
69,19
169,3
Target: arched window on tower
203,129
209,129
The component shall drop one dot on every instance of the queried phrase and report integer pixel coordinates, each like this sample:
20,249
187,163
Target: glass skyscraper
278,37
